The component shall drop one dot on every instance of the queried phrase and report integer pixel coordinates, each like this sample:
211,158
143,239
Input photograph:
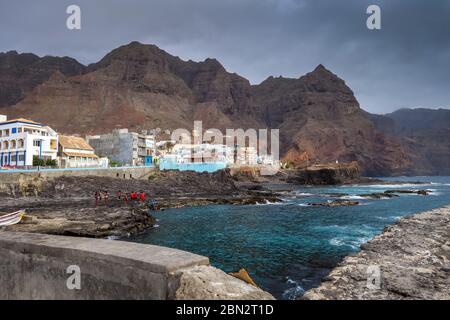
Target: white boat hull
11,218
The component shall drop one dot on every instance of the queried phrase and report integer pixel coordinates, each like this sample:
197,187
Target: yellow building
75,152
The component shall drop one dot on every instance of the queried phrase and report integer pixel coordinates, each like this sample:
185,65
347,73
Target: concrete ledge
35,266
13,176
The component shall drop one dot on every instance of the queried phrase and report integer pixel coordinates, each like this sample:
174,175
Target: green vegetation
114,164
38,162
152,176
51,163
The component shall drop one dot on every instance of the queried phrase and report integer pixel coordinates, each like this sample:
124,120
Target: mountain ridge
142,86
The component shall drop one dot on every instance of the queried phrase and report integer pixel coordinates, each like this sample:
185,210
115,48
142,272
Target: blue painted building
170,164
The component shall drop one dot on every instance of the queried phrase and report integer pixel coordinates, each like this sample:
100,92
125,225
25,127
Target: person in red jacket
133,196
142,196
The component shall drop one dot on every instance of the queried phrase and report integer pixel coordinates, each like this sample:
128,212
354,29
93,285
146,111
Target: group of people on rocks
127,197
101,195
132,196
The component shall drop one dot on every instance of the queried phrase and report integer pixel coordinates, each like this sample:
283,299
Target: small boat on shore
11,218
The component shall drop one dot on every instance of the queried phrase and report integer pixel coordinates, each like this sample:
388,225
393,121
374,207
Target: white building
188,153
75,152
21,140
247,156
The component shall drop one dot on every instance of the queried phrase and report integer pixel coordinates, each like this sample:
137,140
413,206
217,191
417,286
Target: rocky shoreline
66,205
412,257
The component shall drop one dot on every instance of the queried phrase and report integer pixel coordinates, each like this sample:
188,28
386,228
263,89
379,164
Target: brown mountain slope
20,73
319,114
141,86
425,132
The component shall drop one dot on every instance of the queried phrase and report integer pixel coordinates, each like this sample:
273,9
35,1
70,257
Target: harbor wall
37,266
16,177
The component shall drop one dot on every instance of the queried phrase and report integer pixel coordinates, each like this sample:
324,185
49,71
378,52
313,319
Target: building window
37,143
53,144
21,143
13,144
14,130
13,158
21,157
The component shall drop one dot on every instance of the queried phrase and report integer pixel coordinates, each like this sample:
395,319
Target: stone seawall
29,181
35,266
409,260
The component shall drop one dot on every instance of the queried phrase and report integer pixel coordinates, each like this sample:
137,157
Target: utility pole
307,160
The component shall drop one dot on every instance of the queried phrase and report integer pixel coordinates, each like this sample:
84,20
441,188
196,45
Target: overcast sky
405,64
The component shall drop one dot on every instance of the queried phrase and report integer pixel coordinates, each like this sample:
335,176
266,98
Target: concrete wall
12,182
12,176
34,266
117,146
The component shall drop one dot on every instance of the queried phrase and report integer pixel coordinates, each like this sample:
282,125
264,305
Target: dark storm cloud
406,64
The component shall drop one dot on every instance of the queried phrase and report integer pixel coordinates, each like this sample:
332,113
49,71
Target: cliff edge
409,260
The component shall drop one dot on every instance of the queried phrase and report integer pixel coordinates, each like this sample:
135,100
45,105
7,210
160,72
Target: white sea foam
304,194
397,186
268,203
294,292
388,218
353,243
304,205
353,197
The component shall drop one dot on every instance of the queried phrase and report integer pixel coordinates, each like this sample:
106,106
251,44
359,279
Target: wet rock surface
419,192
413,257
79,217
67,206
335,203
378,195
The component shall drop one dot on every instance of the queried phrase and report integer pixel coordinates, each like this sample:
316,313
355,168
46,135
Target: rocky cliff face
332,175
21,73
140,86
318,114
425,133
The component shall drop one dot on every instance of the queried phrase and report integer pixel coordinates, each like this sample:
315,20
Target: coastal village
224,150
26,144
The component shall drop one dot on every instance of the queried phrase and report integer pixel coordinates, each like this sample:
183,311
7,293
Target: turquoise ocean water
288,247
